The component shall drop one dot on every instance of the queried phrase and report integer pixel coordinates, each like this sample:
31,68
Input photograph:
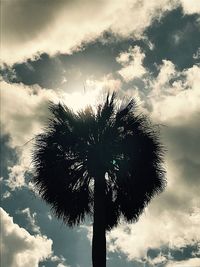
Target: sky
75,52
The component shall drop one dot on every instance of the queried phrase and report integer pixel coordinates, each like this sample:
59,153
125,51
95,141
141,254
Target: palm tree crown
111,144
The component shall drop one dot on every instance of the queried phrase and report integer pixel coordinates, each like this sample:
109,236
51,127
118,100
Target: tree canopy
112,141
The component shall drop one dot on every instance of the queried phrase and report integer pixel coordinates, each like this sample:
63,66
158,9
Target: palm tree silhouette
105,163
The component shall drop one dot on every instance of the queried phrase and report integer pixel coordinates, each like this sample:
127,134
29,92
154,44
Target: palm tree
105,163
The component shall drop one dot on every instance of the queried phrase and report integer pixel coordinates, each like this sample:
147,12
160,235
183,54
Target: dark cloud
119,259
186,252
184,147
176,37
8,156
22,19
94,61
190,172
183,154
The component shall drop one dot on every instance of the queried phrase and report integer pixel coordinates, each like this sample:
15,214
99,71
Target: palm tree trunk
99,233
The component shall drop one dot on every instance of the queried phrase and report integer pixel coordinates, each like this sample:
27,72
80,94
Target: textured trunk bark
99,233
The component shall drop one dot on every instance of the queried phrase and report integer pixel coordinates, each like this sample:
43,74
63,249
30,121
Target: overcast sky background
75,51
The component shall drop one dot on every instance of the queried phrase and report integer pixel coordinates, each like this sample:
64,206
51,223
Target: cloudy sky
75,51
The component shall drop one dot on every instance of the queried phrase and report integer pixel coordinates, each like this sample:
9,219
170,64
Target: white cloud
18,247
59,259
62,265
193,77
166,72
190,6
157,260
95,88
194,262
132,62
49,216
23,112
181,106
5,195
176,101
23,108
16,177
31,28
146,10
154,230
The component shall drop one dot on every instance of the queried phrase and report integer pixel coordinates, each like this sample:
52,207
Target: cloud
62,265
19,248
179,111
166,73
31,28
31,218
5,195
190,7
154,231
60,260
160,259
16,177
194,262
23,110
175,101
132,62
49,216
